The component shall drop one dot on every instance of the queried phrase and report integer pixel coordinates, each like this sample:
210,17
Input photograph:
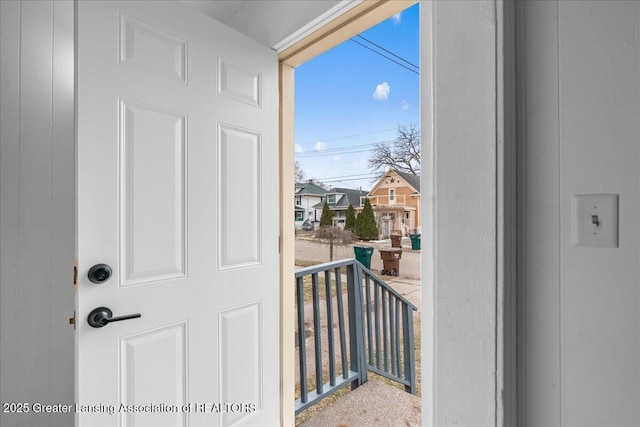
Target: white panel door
177,177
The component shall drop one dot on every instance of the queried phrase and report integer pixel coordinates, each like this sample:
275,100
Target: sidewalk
309,249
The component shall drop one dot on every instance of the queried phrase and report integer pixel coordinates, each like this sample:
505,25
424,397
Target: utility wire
386,57
388,51
340,150
322,154
363,175
350,147
349,136
348,179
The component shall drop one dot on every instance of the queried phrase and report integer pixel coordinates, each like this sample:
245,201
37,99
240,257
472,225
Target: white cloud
382,91
299,148
320,146
336,159
397,18
404,105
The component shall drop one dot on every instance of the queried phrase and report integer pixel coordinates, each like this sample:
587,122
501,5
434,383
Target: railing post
409,352
356,335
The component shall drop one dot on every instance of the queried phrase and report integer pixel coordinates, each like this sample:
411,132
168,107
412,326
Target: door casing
498,129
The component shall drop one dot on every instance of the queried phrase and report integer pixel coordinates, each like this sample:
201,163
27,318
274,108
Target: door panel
239,146
152,159
177,166
139,362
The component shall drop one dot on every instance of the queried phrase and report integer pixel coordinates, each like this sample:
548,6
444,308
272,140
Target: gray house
339,200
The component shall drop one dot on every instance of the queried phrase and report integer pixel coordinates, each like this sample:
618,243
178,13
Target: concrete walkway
309,249
372,404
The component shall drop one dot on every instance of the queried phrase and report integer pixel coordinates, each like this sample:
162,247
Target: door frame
498,130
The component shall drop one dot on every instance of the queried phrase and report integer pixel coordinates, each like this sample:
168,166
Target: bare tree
403,154
299,173
332,235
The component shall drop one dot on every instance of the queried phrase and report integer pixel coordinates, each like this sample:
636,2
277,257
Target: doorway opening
330,145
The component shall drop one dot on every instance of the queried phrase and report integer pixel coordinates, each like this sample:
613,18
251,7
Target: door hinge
72,320
75,275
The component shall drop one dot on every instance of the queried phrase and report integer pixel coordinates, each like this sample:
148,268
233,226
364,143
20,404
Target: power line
386,57
349,147
322,153
362,175
389,52
348,179
349,136
341,150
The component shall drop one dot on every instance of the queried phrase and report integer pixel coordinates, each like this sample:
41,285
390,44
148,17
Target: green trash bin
415,242
363,255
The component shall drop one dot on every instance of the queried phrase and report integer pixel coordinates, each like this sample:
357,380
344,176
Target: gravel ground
368,405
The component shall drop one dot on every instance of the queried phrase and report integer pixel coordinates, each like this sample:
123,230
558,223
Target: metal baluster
385,329
332,352
343,339
376,307
368,316
392,334
398,348
316,331
301,339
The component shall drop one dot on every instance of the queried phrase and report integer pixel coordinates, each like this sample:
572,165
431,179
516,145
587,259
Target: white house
152,136
307,195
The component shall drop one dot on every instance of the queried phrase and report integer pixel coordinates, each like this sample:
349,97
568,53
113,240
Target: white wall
579,127
37,208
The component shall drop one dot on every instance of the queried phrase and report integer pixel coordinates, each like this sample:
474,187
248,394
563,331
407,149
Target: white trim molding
322,20
468,260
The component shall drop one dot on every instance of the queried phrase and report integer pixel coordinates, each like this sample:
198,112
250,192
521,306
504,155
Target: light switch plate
595,220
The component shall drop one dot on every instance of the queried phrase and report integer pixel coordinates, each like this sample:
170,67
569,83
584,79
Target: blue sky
349,98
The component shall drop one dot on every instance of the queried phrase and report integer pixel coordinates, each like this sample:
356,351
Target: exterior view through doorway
350,24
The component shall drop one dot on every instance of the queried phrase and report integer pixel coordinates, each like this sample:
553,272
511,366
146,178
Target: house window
299,216
392,194
331,198
298,200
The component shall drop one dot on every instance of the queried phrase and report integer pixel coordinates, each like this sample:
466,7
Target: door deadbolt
99,273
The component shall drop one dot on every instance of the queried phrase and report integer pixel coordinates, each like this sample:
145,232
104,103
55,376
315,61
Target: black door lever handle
102,316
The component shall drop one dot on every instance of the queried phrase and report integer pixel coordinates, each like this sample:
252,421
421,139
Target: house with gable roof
395,200
307,195
339,200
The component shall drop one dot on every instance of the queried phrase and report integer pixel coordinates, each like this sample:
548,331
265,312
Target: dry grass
304,263
322,290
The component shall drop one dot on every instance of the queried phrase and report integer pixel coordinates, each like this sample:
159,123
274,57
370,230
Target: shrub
366,228
327,215
350,221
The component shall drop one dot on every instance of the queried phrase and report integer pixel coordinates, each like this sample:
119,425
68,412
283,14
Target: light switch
595,220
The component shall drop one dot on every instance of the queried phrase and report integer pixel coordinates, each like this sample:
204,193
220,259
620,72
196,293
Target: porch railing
385,200
349,323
